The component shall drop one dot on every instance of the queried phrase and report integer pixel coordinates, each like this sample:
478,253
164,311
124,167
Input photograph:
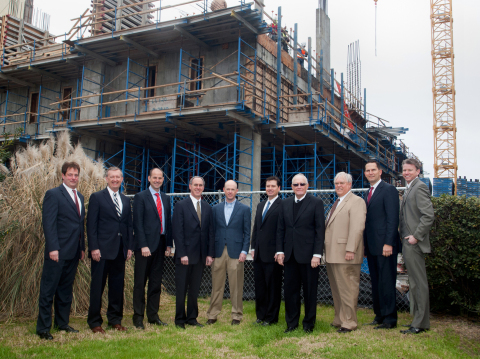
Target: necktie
159,209
333,209
117,206
266,210
199,213
370,194
76,202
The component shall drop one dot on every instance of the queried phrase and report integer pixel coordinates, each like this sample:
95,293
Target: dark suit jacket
236,235
381,224
305,235
264,233
191,240
103,224
146,222
62,226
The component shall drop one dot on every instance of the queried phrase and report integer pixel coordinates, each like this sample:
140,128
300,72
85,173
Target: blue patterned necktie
266,210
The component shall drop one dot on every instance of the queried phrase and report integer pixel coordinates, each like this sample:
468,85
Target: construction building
210,94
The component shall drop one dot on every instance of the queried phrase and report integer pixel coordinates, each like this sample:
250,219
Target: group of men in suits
290,235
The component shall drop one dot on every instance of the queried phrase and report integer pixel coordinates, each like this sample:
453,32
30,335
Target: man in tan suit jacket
344,252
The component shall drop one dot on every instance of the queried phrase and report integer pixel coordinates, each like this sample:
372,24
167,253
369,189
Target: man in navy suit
110,243
382,244
63,218
267,272
232,221
300,242
193,233
152,224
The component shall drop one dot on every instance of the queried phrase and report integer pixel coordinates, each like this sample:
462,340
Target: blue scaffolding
20,103
84,91
50,96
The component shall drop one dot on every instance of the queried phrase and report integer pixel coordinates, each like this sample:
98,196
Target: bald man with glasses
300,241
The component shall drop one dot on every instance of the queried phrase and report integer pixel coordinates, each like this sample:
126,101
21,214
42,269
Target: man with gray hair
300,240
193,234
344,251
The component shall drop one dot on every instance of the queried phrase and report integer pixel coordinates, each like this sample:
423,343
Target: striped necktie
117,205
266,210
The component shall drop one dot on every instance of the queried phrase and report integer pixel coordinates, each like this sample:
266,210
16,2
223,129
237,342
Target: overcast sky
398,80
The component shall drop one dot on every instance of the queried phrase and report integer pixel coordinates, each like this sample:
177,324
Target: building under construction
210,93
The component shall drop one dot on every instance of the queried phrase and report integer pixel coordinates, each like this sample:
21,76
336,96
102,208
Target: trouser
296,275
345,284
417,278
187,278
235,270
268,287
150,268
114,269
56,286
383,274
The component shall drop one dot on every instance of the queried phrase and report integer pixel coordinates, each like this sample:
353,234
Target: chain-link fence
324,294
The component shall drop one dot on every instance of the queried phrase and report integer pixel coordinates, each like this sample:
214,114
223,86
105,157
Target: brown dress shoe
211,321
118,327
98,330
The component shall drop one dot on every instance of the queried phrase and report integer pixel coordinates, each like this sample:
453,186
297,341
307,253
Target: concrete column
118,23
323,35
259,4
245,160
145,15
93,86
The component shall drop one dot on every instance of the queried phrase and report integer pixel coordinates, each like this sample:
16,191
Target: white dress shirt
375,186
194,201
70,192
119,200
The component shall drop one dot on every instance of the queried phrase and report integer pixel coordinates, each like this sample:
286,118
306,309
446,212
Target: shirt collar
152,191
194,200
272,200
111,191
340,199
231,204
301,199
409,184
70,190
376,184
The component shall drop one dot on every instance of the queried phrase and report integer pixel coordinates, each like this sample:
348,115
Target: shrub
453,267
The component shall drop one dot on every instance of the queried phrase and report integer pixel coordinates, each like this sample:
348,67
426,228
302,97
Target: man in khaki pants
232,238
344,252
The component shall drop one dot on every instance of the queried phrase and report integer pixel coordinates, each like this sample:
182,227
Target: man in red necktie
382,244
152,226
63,227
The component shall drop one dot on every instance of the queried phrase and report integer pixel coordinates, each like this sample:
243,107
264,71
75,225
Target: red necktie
76,202
159,209
370,194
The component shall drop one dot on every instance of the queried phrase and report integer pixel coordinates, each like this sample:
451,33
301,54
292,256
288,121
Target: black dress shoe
267,324
308,330
385,326
258,321
45,335
413,330
344,330
139,325
373,323
157,322
235,322
290,329
68,329
180,326
195,324
211,321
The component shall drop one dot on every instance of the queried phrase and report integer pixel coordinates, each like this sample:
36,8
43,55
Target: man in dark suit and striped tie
152,223
110,244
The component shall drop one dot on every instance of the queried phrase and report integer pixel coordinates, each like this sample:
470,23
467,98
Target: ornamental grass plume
34,170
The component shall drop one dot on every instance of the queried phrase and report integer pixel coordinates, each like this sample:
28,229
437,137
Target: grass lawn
448,338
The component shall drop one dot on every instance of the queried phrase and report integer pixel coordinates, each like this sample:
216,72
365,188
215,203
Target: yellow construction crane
443,82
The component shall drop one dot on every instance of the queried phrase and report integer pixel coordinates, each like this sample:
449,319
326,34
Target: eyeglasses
298,184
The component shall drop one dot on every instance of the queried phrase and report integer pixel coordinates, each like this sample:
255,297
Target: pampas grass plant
35,170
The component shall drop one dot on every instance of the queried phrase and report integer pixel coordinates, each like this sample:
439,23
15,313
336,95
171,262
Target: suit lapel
375,194
193,209
340,206
124,203
235,210
407,192
302,208
152,202
69,199
109,200
270,210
